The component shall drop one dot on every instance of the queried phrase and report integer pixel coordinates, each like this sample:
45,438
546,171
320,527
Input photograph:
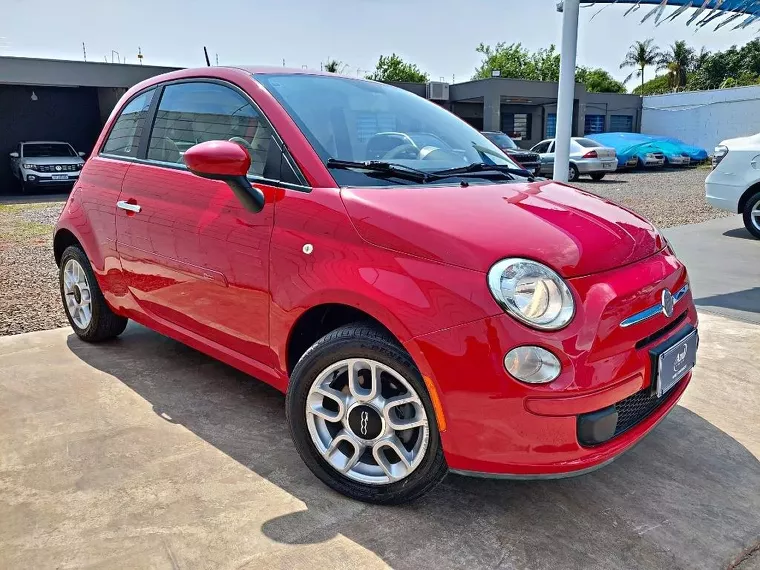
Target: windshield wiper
380,167
482,167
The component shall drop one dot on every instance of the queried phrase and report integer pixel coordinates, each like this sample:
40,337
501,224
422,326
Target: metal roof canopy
705,12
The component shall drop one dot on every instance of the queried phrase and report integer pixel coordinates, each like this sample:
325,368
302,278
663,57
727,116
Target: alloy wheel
77,293
367,421
755,215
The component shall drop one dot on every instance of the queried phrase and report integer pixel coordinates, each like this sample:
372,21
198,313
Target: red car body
198,267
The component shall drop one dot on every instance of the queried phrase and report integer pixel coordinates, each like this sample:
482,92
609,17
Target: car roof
44,142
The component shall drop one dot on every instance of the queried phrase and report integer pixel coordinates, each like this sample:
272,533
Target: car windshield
40,150
587,143
501,140
354,120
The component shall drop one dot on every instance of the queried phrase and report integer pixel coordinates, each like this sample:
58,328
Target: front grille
56,167
638,407
525,158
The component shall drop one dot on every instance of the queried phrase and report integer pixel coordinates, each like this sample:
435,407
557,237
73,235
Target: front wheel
597,176
86,309
752,215
361,418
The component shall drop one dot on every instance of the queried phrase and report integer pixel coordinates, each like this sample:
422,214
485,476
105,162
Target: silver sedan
586,157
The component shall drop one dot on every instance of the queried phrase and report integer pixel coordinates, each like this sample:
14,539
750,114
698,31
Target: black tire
752,203
573,173
362,340
597,176
104,323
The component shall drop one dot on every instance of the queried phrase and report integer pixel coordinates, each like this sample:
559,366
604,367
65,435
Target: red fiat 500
425,305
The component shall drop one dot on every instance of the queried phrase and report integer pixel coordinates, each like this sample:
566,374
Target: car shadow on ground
685,497
603,181
40,197
747,300
741,233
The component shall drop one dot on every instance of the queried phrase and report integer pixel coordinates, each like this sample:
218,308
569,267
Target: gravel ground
29,277
666,198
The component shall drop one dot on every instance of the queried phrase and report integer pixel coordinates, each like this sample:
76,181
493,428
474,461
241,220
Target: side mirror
82,154
228,162
14,155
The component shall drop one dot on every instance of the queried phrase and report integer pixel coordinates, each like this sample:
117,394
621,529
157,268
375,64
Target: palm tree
334,66
639,56
679,60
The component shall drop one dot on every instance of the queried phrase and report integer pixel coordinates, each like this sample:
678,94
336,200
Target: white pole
566,94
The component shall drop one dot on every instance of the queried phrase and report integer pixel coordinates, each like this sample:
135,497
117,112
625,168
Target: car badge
667,303
58,168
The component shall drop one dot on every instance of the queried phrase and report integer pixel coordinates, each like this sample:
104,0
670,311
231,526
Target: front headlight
532,293
28,166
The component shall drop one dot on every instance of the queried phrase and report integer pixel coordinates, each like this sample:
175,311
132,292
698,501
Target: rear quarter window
124,138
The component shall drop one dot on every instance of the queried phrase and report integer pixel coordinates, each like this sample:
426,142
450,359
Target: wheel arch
321,319
748,193
64,238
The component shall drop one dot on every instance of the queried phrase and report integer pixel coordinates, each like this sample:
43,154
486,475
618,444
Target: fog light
532,364
30,178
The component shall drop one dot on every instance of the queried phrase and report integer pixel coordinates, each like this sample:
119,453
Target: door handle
128,207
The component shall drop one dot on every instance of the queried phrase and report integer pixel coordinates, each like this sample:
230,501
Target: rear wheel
86,309
573,174
752,215
361,417
597,176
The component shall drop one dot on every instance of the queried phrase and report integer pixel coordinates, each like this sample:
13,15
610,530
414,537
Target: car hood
752,141
53,160
572,231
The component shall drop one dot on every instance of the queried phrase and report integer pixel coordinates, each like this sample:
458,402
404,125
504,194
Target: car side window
196,112
541,148
124,138
551,147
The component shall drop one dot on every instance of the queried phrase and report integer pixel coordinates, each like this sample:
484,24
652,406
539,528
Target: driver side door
193,257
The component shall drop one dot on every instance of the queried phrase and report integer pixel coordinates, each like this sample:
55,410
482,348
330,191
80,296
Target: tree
394,69
678,60
334,66
598,81
515,62
656,86
640,56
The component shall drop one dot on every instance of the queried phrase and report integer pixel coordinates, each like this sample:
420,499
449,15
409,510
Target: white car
734,183
46,163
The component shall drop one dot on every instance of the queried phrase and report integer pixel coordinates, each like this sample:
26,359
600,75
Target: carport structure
45,99
705,12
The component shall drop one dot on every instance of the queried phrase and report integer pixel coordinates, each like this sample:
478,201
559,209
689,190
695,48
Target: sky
440,36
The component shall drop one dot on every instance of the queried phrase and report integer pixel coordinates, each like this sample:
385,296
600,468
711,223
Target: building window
551,125
368,124
516,126
621,124
594,124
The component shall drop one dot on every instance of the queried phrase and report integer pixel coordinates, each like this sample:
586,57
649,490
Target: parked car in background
529,160
734,183
646,151
587,157
46,163
431,310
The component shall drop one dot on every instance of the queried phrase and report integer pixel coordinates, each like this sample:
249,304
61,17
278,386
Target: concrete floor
724,265
142,453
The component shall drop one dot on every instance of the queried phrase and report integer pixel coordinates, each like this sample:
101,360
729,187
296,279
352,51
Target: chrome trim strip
654,310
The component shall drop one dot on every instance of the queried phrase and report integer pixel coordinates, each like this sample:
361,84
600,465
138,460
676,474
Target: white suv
734,183
46,163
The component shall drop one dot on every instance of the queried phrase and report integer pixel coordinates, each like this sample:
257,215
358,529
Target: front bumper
34,178
679,160
653,161
497,426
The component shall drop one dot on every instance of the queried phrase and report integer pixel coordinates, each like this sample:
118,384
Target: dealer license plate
60,176
675,362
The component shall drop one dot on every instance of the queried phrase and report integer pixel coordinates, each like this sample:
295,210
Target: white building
703,118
